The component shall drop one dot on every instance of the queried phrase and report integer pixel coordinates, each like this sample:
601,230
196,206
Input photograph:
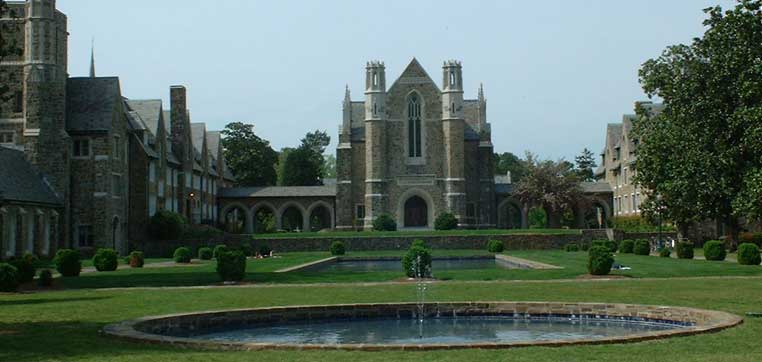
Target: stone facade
413,142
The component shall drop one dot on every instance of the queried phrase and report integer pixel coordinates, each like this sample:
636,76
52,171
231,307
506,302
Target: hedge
599,260
748,254
715,250
105,260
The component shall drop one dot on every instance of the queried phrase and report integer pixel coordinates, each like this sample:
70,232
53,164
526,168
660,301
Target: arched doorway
511,216
320,218
264,220
235,220
292,219
416,213
595,217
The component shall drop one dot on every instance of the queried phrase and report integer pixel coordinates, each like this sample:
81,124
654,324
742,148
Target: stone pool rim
700,320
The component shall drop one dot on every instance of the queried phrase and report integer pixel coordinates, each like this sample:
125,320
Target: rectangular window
81,147
85,233
18,106
7,137
116,185
470,210
117,148
152,171
634,202
625,175
360,211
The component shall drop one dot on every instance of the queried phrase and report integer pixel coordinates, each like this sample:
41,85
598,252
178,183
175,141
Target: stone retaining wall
364,243
179,329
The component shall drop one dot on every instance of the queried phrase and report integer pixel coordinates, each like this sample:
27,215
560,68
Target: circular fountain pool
445,325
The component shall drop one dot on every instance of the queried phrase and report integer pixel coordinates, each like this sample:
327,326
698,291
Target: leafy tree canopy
586,165
251,158
552,185
506,161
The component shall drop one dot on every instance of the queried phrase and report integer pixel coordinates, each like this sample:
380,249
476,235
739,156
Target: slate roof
91,103
167,121
198,133
280,191
503,189
20,182
149,111
136,123
213,139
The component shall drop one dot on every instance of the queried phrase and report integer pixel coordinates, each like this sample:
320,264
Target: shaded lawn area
263,270
63,326
419,233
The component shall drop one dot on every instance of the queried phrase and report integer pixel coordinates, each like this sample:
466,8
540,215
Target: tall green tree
281,168
317,141
302,168
507,161
251,158
586,165
551,185
702,154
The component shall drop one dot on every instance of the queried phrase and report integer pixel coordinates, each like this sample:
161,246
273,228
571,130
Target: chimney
179,122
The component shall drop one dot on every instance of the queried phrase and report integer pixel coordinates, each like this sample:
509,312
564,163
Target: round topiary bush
182,255
105,260
26,267
684,250
571,247
411,264
166,225
9,278
642,247
219,249
46,278
446,221
715,250
205,253
627,246
384,222
68,262
231,266
337,248
665,252
748,254
136,259
612,245
495,246
599,260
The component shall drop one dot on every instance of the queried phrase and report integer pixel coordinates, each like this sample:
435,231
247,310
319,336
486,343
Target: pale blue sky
554,71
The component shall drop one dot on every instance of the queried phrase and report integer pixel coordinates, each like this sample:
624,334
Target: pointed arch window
414,126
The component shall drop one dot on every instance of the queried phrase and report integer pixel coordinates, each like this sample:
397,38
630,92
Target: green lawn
63,326
413,233
263,270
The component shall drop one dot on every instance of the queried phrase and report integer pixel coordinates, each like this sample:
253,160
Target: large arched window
414,125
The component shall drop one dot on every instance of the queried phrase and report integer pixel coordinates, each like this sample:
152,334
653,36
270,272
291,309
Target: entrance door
416,212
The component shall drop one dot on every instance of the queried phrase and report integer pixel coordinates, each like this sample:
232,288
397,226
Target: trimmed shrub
182,255
748,254
26,267
627,246
410,260
68,263
665,252
384,222
599,260
136,259
418,243
337,248
247,249
446,221
219,249
715,250
105,260
265,250
9,278
684,250
166,225
608,244
495,246
571,247
205,253
46,278
231,266
642,247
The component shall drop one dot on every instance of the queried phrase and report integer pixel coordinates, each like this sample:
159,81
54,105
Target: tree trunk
683,229
733,230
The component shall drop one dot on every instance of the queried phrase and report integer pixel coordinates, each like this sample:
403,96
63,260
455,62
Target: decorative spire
347,98
481,92
92,58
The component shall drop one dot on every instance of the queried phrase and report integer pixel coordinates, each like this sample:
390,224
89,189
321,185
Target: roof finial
481,92
92,58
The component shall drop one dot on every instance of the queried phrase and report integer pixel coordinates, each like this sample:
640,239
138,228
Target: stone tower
452,131
344,207
375,141
46,142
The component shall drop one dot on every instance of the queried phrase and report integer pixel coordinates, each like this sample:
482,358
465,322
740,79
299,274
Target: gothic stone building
82,166
412,151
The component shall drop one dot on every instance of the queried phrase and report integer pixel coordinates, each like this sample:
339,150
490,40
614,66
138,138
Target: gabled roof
91,103
198,134
415,70
20,182
167,121
149,111
213,139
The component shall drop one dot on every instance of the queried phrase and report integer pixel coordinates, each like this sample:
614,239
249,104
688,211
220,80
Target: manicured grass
63,326
414,233
262,270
